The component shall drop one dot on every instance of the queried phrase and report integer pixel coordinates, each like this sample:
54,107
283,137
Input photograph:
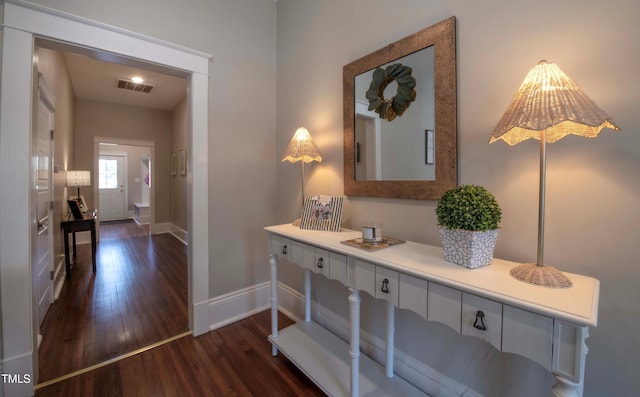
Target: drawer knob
385,286
320,265
479,323
284,249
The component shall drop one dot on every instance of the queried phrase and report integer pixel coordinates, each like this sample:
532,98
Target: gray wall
592,189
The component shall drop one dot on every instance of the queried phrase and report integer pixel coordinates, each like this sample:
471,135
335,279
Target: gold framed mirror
436,132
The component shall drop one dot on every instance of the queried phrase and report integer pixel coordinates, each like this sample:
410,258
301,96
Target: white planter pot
468,248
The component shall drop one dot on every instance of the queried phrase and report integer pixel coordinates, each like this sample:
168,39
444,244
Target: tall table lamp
303,149
78,179
548,106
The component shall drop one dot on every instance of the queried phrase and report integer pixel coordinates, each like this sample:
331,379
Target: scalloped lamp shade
548,106
302,148
548,100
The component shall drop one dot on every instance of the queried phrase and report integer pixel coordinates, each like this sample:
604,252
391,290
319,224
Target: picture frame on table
322,213
81,203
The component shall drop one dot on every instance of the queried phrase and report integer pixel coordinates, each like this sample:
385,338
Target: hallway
138,297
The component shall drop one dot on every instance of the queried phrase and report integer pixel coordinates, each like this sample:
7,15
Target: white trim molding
23,22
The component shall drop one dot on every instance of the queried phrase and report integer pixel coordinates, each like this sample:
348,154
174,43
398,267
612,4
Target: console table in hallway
87,223
547,326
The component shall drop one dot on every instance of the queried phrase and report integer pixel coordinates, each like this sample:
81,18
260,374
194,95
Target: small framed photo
182,161
174,164
74,207
429,146
81,203
322,213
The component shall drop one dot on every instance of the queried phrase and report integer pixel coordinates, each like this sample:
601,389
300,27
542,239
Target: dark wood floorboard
231,361
138,297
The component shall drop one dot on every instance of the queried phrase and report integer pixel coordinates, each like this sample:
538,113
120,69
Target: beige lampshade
549,100
302,148
78,178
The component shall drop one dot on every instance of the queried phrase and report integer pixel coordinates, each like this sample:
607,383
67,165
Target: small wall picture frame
429,147
182,162
174,164
322,213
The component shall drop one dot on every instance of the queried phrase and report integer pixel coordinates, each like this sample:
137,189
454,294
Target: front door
42,191
112,187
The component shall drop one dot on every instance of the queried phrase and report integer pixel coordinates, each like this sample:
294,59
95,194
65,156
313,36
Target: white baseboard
160,228
59,275
180,234
238,305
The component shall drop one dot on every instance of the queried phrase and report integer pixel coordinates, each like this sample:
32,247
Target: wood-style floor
231,361
137,298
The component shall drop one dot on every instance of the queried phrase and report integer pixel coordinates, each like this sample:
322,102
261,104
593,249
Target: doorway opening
19,33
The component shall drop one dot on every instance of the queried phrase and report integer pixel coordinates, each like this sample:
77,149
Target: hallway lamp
78,179
548,106
303,149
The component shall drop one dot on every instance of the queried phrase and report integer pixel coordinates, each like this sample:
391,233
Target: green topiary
469,207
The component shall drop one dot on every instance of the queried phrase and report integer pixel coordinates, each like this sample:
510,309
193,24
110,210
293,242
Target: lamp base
545,276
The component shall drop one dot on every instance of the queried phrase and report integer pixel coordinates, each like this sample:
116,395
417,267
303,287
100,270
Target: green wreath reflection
395,106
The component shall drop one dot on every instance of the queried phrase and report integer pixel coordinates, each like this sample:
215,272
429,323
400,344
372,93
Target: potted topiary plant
468,218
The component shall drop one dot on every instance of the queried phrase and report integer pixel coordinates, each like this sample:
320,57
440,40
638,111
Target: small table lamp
303,149
78,179
548,106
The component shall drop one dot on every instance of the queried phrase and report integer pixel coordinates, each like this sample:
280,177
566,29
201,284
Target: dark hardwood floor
138,297
231,361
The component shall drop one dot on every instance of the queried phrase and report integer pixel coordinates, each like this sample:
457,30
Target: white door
112,187
42,191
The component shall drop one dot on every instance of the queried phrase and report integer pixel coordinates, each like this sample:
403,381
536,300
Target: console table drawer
527,334
482,318
280,246
330,264
377,281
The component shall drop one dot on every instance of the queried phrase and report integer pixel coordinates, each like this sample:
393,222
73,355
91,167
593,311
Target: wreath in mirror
395,106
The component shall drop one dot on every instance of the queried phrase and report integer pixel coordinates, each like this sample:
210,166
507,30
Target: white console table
548,326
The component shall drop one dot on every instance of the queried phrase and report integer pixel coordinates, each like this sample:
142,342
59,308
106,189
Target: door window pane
107,174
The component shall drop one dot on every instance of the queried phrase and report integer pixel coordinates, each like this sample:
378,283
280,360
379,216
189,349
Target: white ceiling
94,79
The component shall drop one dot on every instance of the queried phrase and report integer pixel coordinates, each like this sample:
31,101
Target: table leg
67,259
390,339
354,349
74,246
307,295
273,262
93,246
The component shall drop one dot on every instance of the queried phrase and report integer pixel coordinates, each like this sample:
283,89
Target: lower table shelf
324,358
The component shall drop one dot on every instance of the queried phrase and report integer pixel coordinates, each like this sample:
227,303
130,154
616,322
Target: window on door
107,174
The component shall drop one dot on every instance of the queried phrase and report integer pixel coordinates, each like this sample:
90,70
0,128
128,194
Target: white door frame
23,22
151,145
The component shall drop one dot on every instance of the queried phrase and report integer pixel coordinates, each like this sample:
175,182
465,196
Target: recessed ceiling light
137,79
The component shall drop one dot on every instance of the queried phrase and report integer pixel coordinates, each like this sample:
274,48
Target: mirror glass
413,156
401,149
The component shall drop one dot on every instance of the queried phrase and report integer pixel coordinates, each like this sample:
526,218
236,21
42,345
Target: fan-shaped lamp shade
302,148
548,106
78,178
548,100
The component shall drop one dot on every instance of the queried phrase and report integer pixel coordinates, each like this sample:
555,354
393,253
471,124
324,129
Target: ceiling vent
130,85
